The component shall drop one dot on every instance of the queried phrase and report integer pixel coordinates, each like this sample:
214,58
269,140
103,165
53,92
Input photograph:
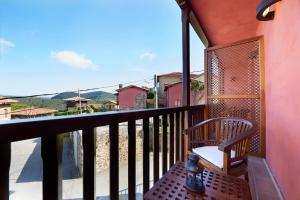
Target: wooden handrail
11,131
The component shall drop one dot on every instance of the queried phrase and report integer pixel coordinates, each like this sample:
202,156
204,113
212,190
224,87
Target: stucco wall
174,96
5,111
127,97
166,80
282,76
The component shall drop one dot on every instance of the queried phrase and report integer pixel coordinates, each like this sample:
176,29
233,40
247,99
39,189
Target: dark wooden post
52,167
146,157
165,144
156,149
114,161
5,157
89,163
131,160
185,16
171,144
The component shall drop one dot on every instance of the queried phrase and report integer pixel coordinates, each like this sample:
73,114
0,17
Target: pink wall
127,97
174,95
282,69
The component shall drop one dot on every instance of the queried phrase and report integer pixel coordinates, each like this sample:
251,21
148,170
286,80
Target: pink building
132,97
174,95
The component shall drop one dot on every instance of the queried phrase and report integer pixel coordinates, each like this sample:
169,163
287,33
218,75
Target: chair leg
246,176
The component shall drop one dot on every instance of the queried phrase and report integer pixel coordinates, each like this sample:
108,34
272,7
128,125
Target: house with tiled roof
77,103
110,105
131,97
172,78
5,108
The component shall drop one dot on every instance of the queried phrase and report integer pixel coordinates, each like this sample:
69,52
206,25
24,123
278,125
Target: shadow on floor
139,196
97,198
33,168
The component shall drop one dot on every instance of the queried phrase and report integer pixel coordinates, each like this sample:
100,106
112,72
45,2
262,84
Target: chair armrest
188,130
226,146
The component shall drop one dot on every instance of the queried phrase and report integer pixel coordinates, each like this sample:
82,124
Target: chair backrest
235,133
228,128
221,130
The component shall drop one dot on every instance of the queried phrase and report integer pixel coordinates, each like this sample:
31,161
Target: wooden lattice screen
234,77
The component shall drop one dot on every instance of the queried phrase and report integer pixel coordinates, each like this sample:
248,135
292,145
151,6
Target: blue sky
62,45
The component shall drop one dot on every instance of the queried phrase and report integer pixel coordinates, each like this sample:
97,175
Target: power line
81,90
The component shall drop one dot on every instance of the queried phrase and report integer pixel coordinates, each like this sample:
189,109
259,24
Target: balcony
251,71
50,130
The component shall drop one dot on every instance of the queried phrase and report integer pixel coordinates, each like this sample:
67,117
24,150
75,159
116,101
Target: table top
217,186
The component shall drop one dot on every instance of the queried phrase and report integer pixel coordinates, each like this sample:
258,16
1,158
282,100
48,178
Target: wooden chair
221,143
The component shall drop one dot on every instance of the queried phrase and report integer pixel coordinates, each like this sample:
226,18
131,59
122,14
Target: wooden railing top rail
23,129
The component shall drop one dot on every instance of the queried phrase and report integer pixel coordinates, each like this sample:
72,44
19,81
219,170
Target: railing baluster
181,136
131,159
5,157
156,149
52,167
177,135
171,146
146,160
89,163
165,144
114,161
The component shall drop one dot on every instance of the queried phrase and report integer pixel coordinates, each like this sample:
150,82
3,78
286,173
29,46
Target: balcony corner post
185,14
52,166
5,157
185,17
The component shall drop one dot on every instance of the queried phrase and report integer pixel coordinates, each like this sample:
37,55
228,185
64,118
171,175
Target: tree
197,88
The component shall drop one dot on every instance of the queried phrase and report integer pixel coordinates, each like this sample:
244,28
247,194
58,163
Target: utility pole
155,92
79,101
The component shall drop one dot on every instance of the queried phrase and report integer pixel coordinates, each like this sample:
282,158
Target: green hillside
65,95
57,101
99,96
43,103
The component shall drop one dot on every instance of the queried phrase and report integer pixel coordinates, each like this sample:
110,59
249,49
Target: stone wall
102,148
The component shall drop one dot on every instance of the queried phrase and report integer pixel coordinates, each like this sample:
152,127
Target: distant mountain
99,96
65,95
57,104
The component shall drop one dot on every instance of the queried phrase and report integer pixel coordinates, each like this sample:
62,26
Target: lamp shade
262,10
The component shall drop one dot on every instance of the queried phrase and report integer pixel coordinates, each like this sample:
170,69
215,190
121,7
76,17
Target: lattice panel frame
235,85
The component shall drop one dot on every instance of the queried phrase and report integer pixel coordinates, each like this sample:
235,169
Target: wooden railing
50,130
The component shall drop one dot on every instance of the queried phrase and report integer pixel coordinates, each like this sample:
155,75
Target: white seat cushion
213,155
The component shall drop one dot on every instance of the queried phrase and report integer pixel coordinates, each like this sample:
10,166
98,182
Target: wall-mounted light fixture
263,12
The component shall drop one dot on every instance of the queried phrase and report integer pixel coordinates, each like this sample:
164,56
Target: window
5,112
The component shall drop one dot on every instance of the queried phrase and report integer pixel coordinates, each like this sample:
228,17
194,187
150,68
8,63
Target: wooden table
217,186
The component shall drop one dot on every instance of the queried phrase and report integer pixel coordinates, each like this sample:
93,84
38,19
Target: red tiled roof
4,101
77,99
176,74
33,112
170,74
131,86
110,101
171,85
